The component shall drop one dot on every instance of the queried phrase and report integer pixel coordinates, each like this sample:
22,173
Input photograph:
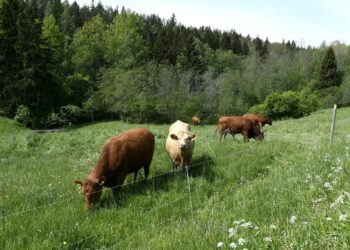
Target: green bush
287,104
71,114
23,115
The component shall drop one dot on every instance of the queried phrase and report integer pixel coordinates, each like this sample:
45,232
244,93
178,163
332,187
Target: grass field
290,191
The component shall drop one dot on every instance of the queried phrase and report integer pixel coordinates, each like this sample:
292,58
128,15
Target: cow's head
92,189
184,139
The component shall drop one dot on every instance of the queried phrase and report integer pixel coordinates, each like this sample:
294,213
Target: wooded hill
61,63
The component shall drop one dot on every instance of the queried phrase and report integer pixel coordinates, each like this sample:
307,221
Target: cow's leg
146,170
116,189
135,177
245,136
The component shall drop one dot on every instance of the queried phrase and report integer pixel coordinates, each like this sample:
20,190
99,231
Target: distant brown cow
196,121
238,124
260,120
120,156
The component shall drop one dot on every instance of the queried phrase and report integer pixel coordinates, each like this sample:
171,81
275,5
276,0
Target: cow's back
178,126
126,153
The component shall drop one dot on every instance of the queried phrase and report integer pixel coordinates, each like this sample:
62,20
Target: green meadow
290,191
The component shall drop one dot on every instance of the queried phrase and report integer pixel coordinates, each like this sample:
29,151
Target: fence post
333,124
189,190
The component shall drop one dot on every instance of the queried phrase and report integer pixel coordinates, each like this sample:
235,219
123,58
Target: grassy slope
263,183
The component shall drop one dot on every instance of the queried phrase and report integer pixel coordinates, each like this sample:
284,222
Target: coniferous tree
329,75
236,44
226,41
10,11
245,48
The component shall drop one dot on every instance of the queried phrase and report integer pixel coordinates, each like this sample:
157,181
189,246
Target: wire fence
117,186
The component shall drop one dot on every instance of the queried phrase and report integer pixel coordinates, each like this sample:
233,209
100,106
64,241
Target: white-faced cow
180,144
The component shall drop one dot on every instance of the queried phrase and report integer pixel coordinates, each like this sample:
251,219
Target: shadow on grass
160,182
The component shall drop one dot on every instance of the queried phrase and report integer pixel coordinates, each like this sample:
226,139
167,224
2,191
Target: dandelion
232,245
241,241
267,239
220,244
292,219
328,186
342,217
273,227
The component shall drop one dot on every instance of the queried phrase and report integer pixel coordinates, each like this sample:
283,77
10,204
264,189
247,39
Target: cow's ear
174,137
101,181
192,135
80,182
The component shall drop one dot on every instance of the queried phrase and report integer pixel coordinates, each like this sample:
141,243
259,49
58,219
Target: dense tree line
61,63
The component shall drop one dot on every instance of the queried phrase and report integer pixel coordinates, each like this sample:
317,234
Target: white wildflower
292,219
342,217
247,224
231,230
318,178
328,218
305,223
237,222
338,169
340,199
241,241
317,200
330,175
232,245
256,228
328,186
268,239
333,205
220,244
273,227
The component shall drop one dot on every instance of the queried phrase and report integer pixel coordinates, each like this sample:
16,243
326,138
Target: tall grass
288,192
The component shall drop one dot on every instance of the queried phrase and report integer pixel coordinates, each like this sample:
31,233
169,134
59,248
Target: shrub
71,114
287,104
23,115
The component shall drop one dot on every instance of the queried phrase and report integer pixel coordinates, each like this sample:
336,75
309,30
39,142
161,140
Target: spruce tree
329,75
10,11
245,48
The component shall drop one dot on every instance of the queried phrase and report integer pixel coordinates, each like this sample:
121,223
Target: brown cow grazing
238,124
260,120
120,156
196,121
180,144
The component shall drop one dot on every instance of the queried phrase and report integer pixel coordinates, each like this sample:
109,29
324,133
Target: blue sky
308,22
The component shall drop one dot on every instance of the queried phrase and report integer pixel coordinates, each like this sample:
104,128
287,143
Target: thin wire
126,184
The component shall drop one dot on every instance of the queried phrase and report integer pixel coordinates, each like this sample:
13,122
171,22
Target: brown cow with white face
180,144
196,121
260,120
238,124
120,156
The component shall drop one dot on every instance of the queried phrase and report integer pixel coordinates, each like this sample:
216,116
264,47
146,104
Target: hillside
288,192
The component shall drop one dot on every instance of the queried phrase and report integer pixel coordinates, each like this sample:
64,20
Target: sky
307,22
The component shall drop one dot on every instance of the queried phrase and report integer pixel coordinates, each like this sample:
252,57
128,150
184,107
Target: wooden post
333,124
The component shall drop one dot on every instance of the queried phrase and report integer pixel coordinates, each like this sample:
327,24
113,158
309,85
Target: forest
63,64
